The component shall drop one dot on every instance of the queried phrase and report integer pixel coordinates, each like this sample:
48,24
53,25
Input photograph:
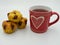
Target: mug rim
40,7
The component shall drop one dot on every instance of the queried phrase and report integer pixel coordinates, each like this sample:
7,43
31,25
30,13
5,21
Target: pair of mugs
40,17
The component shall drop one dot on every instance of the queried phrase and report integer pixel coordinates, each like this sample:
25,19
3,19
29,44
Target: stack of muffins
16,20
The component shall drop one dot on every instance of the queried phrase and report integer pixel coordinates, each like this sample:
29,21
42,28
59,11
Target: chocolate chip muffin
22,23
14,16
9,27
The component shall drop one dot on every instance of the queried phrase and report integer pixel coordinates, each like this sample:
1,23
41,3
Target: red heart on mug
37,22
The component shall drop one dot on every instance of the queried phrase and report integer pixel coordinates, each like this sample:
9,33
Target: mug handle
55,20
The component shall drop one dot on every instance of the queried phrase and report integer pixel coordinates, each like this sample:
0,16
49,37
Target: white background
26,36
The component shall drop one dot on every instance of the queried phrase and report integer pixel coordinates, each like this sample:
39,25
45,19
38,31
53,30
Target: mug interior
41,7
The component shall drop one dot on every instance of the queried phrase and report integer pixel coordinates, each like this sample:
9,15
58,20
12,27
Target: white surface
26,36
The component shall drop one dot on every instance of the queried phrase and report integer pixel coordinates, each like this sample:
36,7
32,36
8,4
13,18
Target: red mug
40,17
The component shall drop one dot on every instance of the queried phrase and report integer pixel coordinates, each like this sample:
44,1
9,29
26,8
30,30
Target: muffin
14,16
22,23
9,27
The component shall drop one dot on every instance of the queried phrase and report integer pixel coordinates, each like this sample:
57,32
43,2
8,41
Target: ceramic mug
40,18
